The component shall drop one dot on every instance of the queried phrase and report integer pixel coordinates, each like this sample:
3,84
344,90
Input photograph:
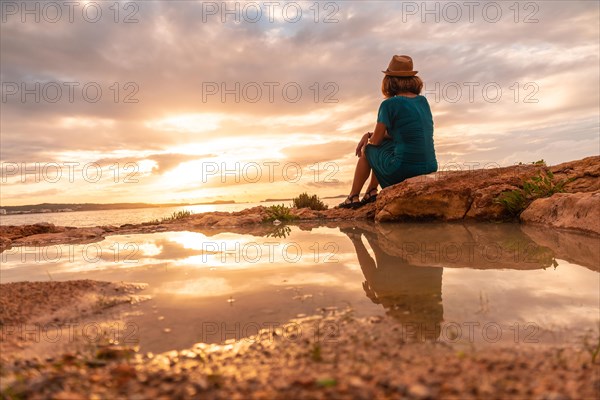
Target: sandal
369,197
348,203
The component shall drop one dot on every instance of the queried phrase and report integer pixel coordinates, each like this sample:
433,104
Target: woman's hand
362,143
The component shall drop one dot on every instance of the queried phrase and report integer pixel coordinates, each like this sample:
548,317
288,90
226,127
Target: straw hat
400,66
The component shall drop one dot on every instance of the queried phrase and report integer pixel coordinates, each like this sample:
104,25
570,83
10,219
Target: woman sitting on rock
402,144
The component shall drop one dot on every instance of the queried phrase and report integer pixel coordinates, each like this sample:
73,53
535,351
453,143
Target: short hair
393,85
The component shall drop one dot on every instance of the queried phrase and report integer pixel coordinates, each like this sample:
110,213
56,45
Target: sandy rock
450,196
305,213
78,235
579,211
207,220
14,232
484,206
365,212
583,175
249,219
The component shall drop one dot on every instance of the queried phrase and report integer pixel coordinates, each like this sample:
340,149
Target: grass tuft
306,201
280,213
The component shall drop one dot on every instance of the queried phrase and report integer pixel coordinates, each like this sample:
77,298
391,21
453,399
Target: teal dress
410,152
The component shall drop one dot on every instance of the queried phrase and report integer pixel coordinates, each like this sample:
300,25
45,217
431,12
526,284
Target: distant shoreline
45,208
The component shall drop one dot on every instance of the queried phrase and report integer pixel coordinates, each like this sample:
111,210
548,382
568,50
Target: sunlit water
129,216
476,284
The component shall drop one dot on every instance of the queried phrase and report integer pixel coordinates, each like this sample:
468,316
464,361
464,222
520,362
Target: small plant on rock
177,215
536,187
280,213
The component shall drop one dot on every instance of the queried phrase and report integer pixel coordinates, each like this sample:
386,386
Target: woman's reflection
410,294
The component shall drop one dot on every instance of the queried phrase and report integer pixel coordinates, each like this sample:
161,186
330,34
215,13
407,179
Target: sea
131,216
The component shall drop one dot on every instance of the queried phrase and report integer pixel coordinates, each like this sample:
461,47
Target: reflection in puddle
412,295
483,283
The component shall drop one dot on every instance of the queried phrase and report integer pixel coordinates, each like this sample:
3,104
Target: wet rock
574,247
580,211
77,235
5,243
462,245
55,304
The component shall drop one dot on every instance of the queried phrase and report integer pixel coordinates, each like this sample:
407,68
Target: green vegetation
177,215
280,232
306,201
515,201
326,382
280,213
530,252
538,162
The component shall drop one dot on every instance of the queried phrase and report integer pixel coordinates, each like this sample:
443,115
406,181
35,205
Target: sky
190,101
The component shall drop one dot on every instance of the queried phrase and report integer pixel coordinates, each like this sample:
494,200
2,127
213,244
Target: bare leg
361,174
373,183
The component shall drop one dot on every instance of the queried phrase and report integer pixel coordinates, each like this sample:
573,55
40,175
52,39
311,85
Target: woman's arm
362,143
379,134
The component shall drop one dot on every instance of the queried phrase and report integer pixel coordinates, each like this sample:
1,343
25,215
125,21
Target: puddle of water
480,284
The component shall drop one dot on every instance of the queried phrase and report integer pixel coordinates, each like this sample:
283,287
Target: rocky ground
29,311
321,357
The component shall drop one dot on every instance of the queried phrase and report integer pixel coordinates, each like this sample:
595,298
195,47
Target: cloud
319,153
164,162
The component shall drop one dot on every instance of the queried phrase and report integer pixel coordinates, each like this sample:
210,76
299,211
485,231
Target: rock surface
583,175
579,211
455,195
34,314
451,196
